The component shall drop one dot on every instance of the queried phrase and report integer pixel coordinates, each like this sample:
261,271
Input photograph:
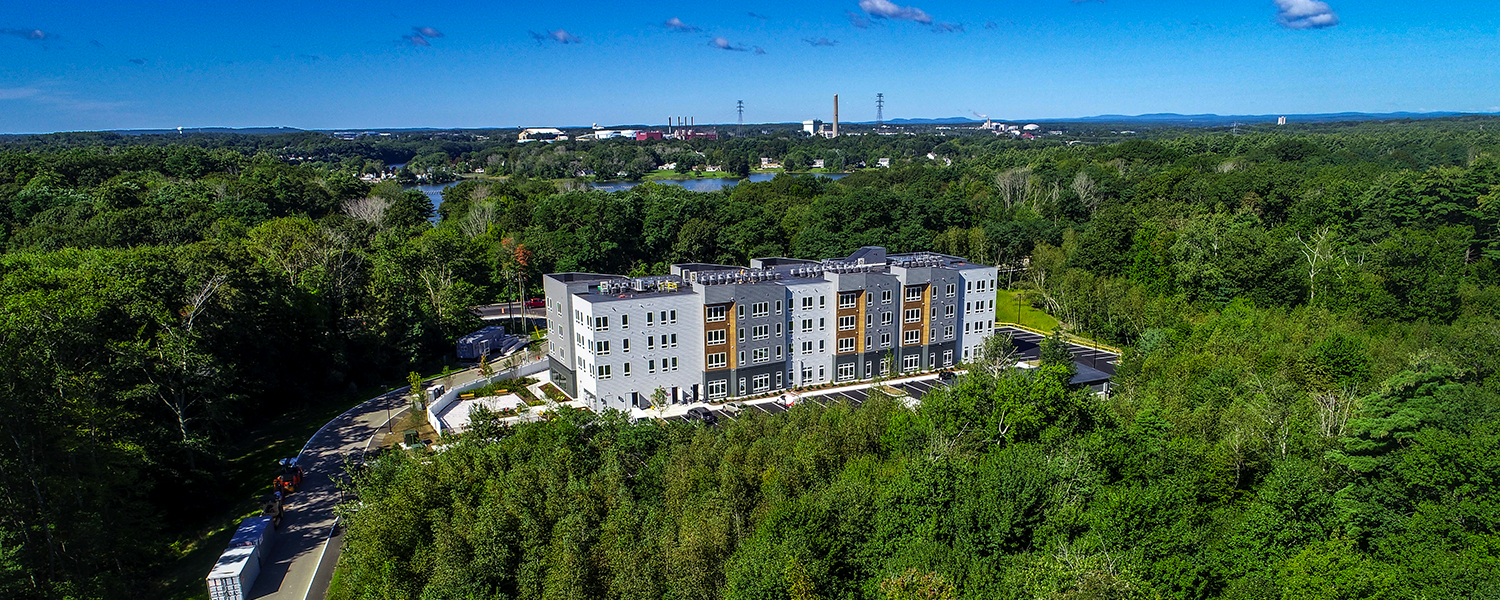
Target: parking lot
1028,344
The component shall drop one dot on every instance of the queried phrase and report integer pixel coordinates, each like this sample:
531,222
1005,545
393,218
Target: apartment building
710,332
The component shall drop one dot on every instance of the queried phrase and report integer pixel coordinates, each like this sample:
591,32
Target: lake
435,191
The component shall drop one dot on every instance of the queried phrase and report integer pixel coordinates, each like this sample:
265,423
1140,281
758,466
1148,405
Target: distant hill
1199,120
209,130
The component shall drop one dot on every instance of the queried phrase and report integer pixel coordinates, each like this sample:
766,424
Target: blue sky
79,64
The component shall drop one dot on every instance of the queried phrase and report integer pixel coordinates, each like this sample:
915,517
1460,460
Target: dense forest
1306,407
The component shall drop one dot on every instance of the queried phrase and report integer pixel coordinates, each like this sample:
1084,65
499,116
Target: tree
1054,352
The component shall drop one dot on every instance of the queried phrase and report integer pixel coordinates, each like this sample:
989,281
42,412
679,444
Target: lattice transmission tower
879,110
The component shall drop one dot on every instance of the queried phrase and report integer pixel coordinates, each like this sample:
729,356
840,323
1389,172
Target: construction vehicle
290,478
274,508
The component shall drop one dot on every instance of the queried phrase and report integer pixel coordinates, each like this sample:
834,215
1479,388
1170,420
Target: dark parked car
947,377
702,414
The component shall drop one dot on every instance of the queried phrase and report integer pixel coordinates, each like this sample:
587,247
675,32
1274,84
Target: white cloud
1305,14
676,24
885,9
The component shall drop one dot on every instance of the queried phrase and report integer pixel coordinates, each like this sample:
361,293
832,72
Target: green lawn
1005,312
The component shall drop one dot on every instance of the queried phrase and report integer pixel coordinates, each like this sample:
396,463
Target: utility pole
879,110
740,107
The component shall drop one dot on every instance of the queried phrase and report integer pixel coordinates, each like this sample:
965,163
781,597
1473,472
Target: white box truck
249,549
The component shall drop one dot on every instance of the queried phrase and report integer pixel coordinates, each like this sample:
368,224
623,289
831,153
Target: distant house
817,163
543,134
884,162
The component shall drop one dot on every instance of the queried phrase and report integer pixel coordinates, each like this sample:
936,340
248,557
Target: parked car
947,377
698,413
535,303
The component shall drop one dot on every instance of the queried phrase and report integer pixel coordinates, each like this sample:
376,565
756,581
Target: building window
762,382
822,323
846,323
821,346
807,347
742,358
625,345
760,332
934,312
650,320
778,307
806,325
760,355
885,318
846,372
740,336
718,360
778,329
664,340
650,366
778,379
650,342
674,363
885,340
715,337
806,375
711,314
869,319
911,336
601,348
601,323
948,311
822,301
603,371
913,293
739,311
627,369
931,335
947,358
807,303
846,300
968,286
577,316
911,363
742,386
760,309
952,290
867,343
674,340
624,321
885,296
578,337
718,389
948,332
913,315
778,351
846,345
674,315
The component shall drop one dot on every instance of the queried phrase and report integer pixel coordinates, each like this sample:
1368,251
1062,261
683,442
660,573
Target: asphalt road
309,520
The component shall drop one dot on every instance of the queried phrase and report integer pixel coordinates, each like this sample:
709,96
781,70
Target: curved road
307,532
304,534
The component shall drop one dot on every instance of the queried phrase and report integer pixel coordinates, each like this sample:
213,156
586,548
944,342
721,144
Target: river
435,191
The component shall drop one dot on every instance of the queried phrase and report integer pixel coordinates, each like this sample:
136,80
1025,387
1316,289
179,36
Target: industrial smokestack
835,115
